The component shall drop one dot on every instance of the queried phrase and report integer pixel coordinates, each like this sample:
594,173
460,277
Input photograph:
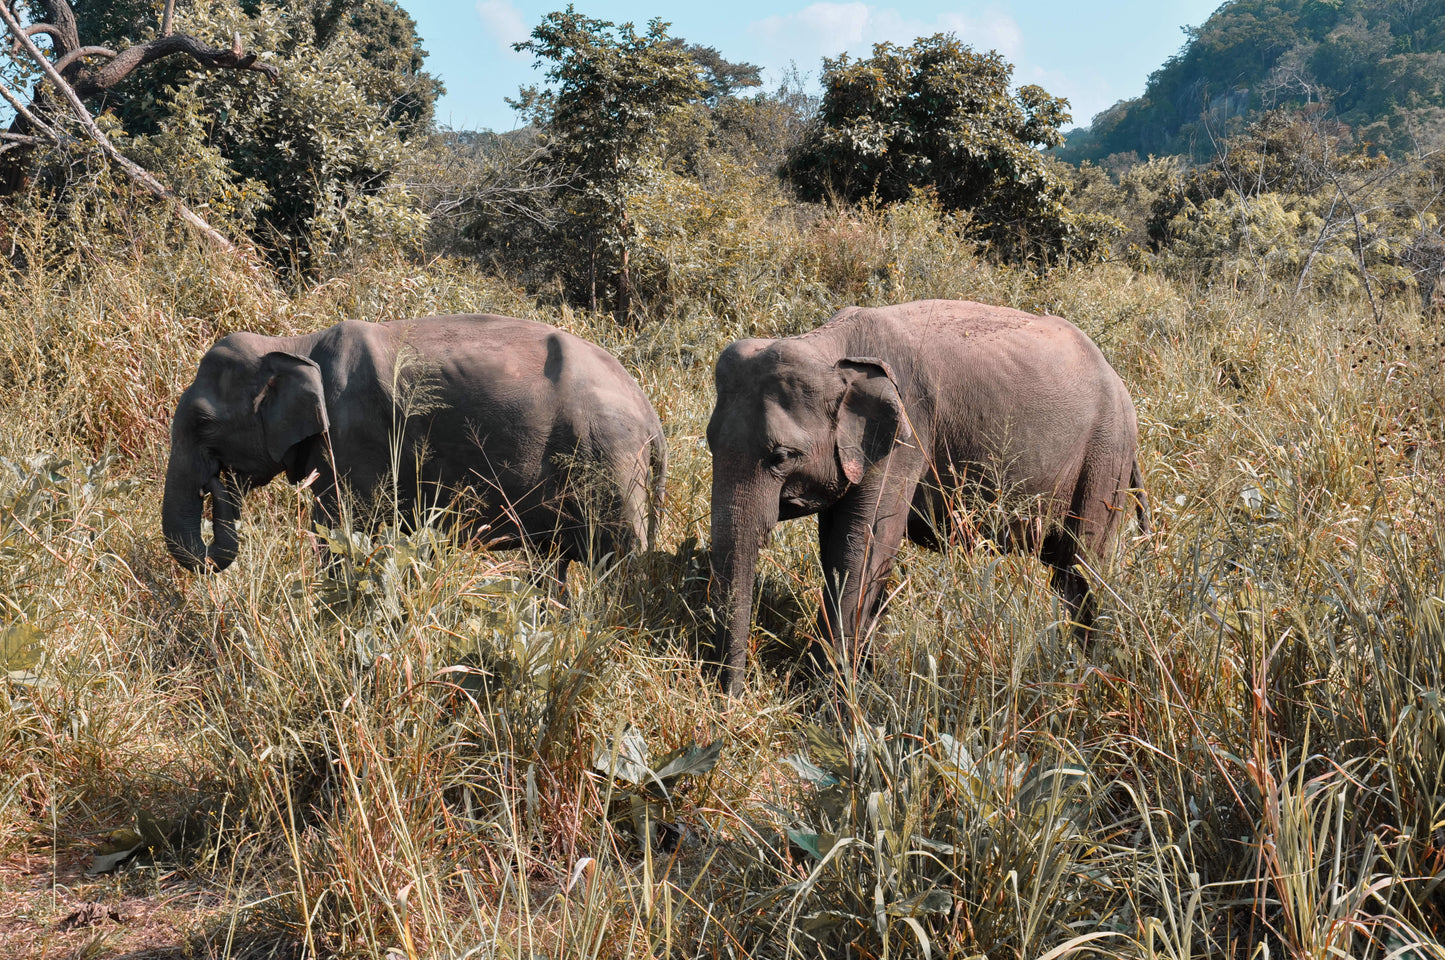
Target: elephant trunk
181,510
743,514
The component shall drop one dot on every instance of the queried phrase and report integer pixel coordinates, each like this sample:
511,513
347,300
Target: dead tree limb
81,54
123,64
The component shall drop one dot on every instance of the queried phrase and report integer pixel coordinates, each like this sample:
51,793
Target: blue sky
1094,53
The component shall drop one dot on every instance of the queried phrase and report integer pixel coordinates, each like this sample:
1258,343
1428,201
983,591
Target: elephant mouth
798,506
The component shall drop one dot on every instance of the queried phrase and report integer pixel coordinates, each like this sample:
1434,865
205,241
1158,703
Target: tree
66,78
601,123
936,115
304,163
1378,63
721,77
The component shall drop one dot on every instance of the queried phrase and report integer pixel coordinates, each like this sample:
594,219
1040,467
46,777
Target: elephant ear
871,418
291,402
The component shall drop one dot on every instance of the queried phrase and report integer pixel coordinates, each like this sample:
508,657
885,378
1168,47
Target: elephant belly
959,516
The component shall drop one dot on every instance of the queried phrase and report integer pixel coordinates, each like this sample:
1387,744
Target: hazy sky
1093,53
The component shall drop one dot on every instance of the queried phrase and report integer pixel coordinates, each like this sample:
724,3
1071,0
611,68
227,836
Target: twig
1359,244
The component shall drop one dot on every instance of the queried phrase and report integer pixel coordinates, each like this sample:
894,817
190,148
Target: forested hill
1377,65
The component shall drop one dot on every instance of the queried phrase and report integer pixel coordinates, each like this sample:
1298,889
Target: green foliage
1128,195
612,92
402,748
939,116
760,131
721,78
1376,63
306,165
1291,201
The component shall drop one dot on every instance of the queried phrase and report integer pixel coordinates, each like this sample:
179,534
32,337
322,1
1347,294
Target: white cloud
828,29
503,23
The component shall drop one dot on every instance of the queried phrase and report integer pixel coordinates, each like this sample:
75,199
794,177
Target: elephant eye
781,455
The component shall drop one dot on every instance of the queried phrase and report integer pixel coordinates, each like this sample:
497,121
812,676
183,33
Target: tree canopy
938,116
301,158
603,114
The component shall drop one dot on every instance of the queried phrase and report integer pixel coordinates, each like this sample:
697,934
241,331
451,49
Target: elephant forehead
233,358
791,387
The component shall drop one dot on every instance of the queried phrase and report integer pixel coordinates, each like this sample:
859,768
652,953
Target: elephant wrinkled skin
545,436
892,422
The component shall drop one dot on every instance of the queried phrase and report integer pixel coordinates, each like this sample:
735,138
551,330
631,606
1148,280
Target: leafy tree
721,77
937,115
304,162
602,119
759,132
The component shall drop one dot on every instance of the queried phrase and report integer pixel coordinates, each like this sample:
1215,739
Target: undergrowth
396,746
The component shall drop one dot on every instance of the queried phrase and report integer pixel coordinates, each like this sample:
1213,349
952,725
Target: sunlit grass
414,752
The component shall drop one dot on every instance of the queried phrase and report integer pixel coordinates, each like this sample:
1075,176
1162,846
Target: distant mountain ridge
1376,65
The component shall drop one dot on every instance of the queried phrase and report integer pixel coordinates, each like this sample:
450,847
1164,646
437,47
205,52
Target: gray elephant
881,420
535,435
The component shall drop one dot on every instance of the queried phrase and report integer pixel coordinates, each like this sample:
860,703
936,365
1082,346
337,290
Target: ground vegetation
388,744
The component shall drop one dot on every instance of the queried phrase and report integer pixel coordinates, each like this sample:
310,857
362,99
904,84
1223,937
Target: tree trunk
592,275
624,277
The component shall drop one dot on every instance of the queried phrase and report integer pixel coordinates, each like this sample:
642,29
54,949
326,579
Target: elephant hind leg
1060,552
1078,599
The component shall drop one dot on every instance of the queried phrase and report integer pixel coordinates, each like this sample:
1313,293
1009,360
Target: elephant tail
1141,501
659,488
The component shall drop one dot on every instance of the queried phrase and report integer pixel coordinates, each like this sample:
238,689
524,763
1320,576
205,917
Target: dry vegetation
426,760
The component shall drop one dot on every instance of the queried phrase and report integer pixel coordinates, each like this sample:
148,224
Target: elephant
535,436
885,423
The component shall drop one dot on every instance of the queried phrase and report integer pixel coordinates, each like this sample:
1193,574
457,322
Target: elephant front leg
858,538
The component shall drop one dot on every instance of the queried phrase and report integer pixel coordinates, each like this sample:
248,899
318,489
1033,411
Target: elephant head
792,431
239,424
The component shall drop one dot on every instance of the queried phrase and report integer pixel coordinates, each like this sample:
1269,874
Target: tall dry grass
408,752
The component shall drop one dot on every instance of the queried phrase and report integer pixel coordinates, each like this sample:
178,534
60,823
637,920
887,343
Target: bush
938,116
305,166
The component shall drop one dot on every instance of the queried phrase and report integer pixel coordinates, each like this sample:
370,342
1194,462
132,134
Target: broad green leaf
827,749
811,772
19,646
626,759
823,921
1044,785
812,843
121,845
645,816
690,760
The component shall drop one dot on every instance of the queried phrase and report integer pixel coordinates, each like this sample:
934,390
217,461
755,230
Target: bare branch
58,20
128,60
38,28
80,54
26,114
168,18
